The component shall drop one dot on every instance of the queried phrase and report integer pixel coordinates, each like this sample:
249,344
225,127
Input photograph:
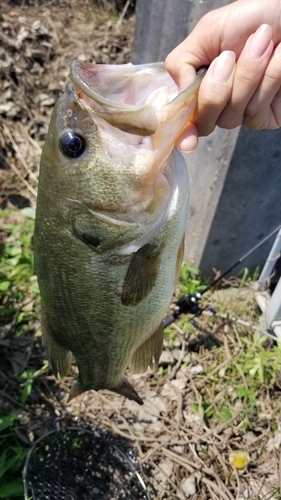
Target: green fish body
110,221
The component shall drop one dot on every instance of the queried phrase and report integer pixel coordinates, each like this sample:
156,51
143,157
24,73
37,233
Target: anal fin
148,353
75,390
58,357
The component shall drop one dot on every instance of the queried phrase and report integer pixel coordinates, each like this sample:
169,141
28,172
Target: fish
110,221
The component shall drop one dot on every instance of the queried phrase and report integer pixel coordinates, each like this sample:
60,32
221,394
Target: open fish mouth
119,93
137,99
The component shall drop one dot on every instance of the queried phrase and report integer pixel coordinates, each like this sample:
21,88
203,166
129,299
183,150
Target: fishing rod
189,303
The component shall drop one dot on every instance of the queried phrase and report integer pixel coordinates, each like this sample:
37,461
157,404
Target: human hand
241,43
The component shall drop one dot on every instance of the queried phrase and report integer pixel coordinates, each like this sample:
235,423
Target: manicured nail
223,66
260,41
188,144
278,50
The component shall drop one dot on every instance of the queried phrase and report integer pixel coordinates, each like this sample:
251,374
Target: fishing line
189,303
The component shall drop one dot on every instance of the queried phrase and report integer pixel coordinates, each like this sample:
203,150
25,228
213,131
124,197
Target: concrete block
249,204
235,176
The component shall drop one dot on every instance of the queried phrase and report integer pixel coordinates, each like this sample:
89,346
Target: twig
174,486
279,471
249,325
24,407
14,168
179,362
212,493
215,487
221,427
175,326
206,470
116,429
122,15
155,448
127,425
238,483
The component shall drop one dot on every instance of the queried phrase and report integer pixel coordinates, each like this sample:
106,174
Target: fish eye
72,144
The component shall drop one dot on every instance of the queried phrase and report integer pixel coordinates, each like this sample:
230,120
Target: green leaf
242,392
13,251
7,421
2,463
7,464
209,412
26,390
224,414
14,263
11,489
26,374
4,286
21,316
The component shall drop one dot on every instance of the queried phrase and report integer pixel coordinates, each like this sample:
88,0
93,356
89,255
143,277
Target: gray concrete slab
163,24
235,176
249,205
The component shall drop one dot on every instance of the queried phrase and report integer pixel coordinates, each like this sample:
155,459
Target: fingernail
223,66
188,144
260,41
278,49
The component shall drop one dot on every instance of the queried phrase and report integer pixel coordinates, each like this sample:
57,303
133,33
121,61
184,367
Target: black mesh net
76,464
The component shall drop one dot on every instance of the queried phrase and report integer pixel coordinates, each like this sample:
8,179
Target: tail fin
125,389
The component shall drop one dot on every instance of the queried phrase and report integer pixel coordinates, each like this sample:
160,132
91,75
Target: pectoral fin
141,275
148,353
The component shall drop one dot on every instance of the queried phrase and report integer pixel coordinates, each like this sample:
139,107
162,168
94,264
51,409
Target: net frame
27,480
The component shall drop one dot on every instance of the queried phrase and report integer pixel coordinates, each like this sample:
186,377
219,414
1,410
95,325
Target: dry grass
38,44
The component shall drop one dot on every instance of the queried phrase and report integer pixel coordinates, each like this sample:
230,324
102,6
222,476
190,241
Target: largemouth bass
110,220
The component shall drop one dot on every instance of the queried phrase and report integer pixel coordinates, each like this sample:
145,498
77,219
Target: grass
18,284
242,365
240,383
19,299
12,456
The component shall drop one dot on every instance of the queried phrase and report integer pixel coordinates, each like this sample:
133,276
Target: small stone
179,384
166,358
188,486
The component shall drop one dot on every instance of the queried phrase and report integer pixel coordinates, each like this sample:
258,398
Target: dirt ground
182,450
38,43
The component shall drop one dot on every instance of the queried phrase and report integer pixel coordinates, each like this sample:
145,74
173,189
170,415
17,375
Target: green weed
191,280
19,298
18,285
12,456
258,363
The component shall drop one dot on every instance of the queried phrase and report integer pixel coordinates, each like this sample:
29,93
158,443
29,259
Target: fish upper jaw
141,102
